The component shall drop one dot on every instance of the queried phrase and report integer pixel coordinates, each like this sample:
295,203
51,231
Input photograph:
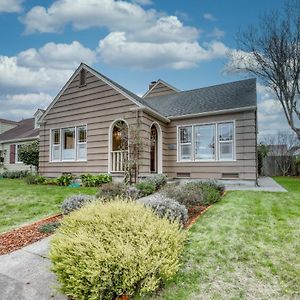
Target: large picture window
205,139
206,142
68,144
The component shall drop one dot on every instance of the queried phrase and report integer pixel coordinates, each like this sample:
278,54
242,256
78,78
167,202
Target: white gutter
216,112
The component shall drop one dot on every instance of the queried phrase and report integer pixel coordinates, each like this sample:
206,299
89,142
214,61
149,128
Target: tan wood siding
160,90
96,105
245,164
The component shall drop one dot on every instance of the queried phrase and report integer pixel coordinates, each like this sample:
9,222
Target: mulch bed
25,235
195,213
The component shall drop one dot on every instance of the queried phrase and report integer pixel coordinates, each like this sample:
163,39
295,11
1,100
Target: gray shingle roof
225,96
24,129
238,94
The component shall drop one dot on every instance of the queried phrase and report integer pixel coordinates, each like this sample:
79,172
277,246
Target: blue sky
184,43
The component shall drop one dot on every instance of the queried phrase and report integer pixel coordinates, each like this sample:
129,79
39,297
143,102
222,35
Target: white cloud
43,69
18,106
82,14
143,2
217,33
177,55
59,56
10,6
209,17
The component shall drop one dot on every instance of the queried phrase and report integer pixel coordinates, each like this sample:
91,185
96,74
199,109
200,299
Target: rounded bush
75,202
111,190
186,195
166,207
146,187
108,249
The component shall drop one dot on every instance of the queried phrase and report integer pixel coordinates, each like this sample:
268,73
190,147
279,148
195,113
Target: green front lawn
245,247
21,203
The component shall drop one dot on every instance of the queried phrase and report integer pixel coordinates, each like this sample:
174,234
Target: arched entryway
155,149
118,150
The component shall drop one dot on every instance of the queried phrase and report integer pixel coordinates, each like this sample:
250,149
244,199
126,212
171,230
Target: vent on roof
82,80
183,175
230,175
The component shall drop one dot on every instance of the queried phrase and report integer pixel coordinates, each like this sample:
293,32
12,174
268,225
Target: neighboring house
25,131
201,133
6,125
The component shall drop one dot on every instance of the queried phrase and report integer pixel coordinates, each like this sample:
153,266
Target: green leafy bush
115,248
184,194
146,187
15,174
49,228
35,179
50,181
166,207
29,154
75,202
111,190
95,180
159,180
65,179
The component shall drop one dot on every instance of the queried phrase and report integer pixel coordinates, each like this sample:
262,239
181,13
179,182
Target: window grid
59,146
216,141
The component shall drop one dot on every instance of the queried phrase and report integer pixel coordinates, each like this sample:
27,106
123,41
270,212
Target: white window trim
217,156
60,148
16,154
180,144
231,141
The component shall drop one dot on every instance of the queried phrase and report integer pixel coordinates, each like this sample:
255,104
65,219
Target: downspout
256,152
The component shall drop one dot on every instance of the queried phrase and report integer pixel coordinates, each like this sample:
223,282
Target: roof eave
216,112
19,140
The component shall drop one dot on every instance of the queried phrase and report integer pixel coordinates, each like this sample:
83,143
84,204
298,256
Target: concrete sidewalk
265,184
25,274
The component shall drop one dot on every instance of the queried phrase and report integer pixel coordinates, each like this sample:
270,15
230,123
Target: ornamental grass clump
109,249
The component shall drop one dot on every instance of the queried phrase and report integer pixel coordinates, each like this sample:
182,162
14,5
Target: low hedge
109,249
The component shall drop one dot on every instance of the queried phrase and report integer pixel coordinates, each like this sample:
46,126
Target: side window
185,143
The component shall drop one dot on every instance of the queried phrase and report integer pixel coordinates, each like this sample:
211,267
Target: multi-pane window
56,145
225,132
68,144
81,143
185,142
206,142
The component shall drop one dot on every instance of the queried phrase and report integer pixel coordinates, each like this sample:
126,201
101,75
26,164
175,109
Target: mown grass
245,247
21,203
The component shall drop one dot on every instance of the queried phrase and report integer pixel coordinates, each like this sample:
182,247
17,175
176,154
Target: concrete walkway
25,274
265,184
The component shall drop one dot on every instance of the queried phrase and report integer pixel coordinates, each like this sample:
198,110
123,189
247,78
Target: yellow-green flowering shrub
115,248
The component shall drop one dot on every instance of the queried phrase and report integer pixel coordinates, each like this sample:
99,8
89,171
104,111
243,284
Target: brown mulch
195,213
25,235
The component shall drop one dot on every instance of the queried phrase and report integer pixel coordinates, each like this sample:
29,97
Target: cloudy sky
133,42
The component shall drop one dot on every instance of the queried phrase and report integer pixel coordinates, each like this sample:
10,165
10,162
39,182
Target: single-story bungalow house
201,133
24,131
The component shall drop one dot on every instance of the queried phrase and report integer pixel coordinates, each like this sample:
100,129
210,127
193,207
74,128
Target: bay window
206,142
68,144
